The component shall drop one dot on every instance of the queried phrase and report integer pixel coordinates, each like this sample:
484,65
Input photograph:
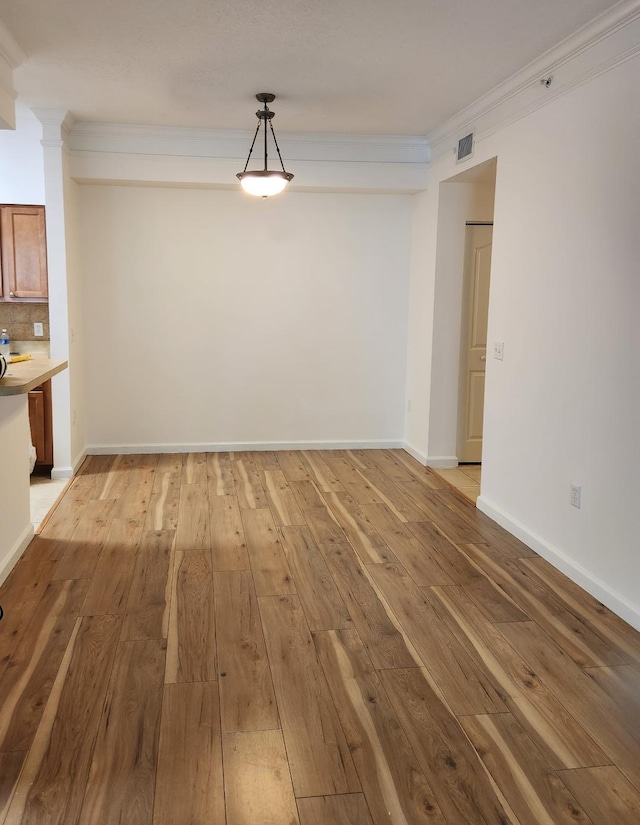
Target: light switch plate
38,329
576,495
498,350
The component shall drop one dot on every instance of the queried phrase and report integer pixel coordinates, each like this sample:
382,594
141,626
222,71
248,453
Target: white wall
15,522
21,161
458,203
564,404
74,284
56,183
421,318
437,273
212,318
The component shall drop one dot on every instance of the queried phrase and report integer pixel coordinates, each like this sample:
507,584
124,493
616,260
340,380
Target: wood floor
323,638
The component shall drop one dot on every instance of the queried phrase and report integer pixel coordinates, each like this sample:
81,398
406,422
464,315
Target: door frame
457,205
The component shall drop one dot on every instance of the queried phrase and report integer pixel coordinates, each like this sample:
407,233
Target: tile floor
464,477
44,492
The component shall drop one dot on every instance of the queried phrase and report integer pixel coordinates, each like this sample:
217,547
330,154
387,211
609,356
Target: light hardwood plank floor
305,637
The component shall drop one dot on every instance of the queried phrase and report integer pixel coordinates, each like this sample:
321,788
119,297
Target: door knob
483,357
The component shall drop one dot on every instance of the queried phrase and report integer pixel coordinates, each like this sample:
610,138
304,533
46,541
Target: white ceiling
347,66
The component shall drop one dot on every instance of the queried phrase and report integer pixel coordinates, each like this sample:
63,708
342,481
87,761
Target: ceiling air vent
465,148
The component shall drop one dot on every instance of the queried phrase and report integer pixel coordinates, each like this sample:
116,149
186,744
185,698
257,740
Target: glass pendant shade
264,182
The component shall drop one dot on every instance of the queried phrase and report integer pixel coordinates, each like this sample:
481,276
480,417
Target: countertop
25,375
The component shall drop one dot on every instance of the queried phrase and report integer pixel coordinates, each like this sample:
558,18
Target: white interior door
474,339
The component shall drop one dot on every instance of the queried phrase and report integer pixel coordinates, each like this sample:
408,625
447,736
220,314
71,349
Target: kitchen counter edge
25,375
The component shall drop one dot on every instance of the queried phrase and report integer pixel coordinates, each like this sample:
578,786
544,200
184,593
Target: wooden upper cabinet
24,253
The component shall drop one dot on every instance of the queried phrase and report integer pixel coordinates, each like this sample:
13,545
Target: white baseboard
126,449
62,472
431,460
576,572
78,460
9,562
69,472
415,453
443,461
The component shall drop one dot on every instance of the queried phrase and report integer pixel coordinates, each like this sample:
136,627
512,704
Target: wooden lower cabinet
41,425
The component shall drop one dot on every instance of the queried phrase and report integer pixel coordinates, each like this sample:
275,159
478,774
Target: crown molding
56,126
59,118
602,44
11,55
219,173
10,50
234,144
8,96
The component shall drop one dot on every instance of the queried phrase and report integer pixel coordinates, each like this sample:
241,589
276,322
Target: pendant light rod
253,143
277,147
264,182
266,109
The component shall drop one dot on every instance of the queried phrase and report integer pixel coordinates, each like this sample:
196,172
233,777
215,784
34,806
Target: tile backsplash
19,317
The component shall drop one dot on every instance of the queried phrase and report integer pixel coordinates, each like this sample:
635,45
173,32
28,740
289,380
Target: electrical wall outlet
576,494
498,350
38,329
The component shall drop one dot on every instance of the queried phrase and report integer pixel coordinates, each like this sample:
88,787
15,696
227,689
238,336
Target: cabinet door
24,252
36,420
41,422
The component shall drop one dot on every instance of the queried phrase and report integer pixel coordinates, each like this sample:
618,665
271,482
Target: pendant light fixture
264,182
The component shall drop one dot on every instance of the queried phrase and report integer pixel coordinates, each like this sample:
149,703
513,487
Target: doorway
473,345
464,199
